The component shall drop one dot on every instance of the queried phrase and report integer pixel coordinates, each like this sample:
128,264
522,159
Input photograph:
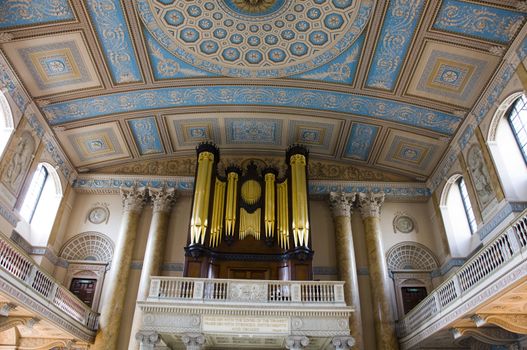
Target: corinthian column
341,207
370,210
162,201
110,320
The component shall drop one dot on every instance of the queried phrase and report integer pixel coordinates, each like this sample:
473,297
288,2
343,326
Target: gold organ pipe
283,216
300,212
269,204
250,224
199,221
230,212
217,213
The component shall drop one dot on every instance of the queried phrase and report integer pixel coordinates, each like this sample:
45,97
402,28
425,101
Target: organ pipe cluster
250,202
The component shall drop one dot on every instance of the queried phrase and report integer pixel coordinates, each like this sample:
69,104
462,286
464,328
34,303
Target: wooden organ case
250,223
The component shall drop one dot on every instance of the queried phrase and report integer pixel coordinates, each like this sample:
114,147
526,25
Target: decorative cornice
134,198
162,199
341,203
110,184
370,204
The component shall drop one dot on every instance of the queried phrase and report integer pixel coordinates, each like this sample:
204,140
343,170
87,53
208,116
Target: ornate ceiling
379,85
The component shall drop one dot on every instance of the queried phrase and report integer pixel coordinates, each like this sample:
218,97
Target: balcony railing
22,268
179,289
509,247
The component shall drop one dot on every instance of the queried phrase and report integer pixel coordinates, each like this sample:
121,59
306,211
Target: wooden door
84,289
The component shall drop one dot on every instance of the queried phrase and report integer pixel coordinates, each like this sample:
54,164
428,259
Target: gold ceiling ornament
254,6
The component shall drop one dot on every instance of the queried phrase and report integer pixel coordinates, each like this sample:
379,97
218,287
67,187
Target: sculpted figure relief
480,176
13,174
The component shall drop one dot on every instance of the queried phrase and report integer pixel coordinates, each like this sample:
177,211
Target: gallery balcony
228,313
486,294
31,298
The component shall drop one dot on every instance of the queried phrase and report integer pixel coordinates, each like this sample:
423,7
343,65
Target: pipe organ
251,221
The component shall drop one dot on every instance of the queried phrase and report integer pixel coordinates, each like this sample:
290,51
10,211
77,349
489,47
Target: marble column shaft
162,201
370,208
341,206
112,310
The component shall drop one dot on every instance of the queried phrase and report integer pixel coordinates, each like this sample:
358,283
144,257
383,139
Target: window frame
514,112
41,169
467,205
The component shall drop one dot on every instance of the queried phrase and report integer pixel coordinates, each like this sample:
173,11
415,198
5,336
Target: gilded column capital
370,204
341,203
162,198
133,198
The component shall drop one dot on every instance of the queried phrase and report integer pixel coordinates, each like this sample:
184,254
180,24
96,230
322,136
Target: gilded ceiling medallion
254,6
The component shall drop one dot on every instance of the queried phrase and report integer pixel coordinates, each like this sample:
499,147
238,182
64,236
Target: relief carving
18,164
480,176
248,292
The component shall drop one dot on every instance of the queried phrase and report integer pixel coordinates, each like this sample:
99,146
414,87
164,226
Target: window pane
34,193
468,207
518,122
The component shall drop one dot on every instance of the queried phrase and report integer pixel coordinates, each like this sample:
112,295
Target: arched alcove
411,265
89,255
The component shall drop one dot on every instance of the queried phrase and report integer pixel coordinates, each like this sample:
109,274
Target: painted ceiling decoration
380,86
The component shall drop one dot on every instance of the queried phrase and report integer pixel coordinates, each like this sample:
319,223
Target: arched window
517,119
507,141
6,123
458,217
40,205
469,213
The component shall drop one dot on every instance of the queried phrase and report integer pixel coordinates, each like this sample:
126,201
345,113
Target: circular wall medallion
255,38
97,215
404,224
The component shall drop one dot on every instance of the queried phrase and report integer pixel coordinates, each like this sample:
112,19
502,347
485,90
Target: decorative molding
370,204
133,198
515,323
296,342
406,256
373,107
88,246
341,203
163,199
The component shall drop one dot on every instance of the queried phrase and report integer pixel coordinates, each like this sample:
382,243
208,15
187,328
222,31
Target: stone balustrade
20,275
246,291
506,252
231,313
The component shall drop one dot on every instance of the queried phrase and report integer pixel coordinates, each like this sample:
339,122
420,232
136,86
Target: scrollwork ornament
296,342
370,204
193,341
133,198
148,338
343,343
163,199
341,203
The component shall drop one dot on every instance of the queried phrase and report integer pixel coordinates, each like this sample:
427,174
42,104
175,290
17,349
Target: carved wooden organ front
250,222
